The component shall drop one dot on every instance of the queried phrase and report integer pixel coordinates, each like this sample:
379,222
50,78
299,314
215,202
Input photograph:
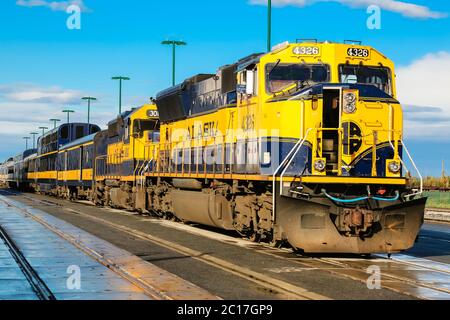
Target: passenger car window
65,132
79,133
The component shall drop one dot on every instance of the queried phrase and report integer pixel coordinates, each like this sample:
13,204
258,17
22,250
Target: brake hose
397,196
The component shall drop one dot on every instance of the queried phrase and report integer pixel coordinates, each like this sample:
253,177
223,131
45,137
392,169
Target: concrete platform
440,215
57,250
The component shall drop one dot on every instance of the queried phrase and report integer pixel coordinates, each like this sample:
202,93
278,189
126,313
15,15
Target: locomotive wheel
255,237
276,243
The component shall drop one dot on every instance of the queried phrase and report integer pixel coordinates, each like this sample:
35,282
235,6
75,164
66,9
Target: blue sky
46,67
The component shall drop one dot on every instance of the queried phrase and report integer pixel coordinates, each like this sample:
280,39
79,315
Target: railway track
346,266
349,267
283,289
169,288
37,284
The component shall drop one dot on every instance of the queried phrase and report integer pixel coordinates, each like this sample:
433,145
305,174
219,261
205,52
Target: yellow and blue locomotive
302,145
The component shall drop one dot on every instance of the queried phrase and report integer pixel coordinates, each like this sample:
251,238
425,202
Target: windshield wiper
274,67
296,86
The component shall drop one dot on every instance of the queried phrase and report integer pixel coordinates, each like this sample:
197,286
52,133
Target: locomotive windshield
283,76
378,76
145,125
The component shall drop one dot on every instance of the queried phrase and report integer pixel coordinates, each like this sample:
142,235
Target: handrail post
340,151
286,162
182,157
374,154
396,144
204,156
417,170
223,156
197,153
216,151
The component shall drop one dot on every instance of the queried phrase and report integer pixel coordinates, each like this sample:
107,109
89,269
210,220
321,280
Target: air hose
397,196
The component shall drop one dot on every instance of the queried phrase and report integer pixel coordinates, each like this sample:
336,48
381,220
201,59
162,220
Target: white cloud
25,107
426,82
35,94
53,5
406,9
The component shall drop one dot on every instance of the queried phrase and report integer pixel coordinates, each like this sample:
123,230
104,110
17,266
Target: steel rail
37,284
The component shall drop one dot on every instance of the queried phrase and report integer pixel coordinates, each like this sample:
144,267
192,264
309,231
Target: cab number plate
306,51
358,52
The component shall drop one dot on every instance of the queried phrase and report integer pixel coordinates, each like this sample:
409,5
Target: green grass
438,199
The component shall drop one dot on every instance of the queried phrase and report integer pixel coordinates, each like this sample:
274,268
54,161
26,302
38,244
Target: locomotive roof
127,114
123,115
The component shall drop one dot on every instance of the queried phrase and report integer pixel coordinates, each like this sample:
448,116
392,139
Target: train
302,146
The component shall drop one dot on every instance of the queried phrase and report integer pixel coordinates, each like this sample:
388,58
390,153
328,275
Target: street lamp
120,78
68,114
89,99
34,134
54,122
174,44
43,129
269,25
26,142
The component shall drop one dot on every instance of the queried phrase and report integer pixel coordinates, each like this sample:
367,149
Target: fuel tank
204,208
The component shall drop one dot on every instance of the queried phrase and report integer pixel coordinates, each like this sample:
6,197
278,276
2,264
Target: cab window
283,76
377,76
140,126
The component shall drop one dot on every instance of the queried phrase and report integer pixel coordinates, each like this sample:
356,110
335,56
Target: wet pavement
55,248
434,243
13,283
68,272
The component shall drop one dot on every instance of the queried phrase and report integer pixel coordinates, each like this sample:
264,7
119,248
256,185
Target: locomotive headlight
349,102
394,166
319,165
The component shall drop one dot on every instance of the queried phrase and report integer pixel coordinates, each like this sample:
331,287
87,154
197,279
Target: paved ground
434,243
193,257
439,215
55,261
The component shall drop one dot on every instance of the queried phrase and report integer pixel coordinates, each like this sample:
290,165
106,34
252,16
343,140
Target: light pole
120,78
34,134
269,25
89,99
26,142
43,129
54,122
174,44
68,114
